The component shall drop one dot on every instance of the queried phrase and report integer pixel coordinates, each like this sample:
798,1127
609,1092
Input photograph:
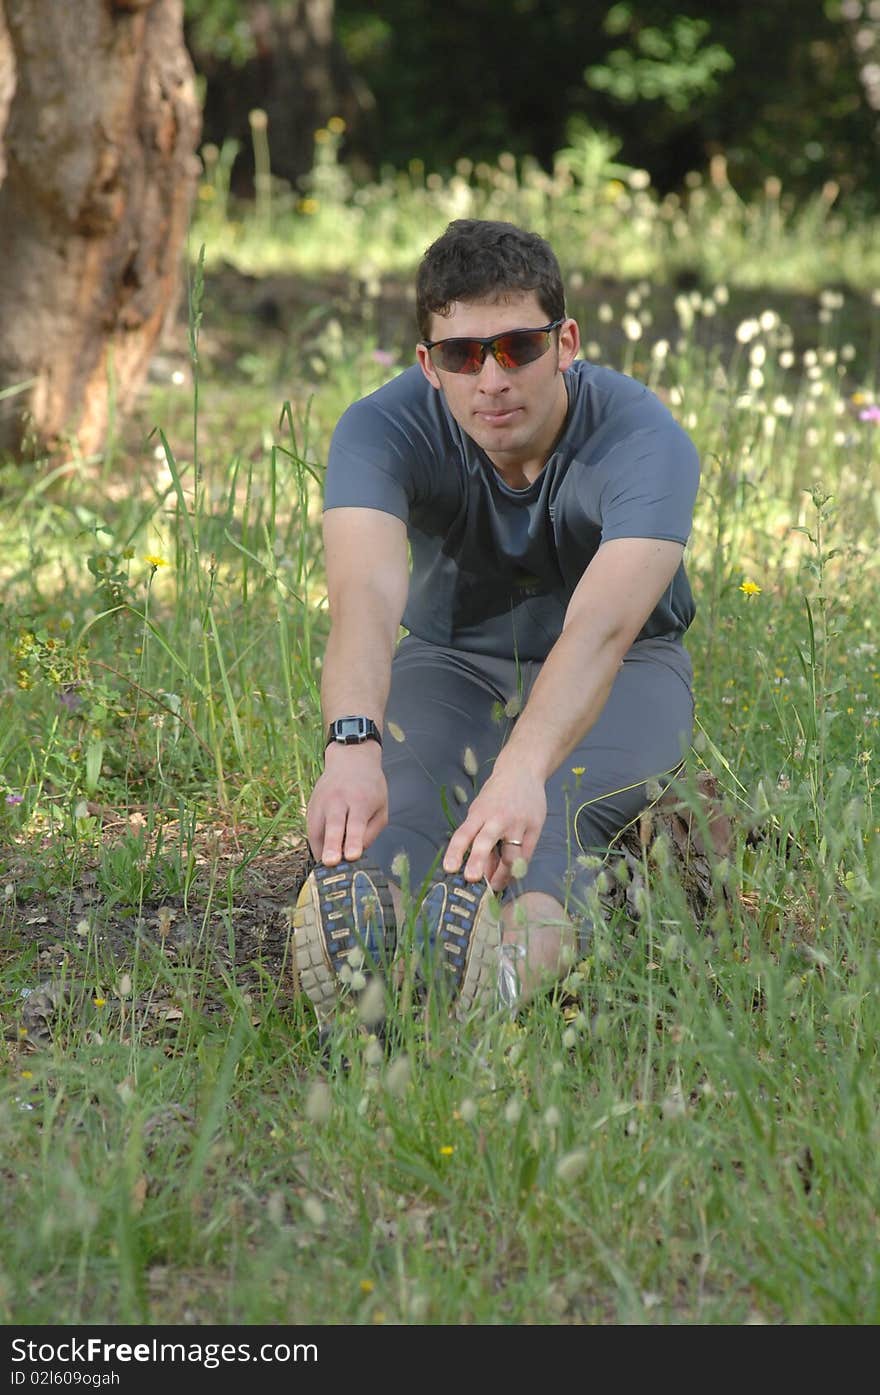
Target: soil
76,951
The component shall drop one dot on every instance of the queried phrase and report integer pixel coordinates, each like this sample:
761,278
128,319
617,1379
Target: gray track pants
445,718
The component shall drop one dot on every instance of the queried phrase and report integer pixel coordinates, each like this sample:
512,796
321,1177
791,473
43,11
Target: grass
698,262
709,232
687,1132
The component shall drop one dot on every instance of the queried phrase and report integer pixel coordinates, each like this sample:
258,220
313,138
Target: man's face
514,414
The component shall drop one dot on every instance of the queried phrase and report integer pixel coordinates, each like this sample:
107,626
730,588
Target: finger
514,855
512,848
374,827
354,845
483,848
458,846
334,833
315,833
515,867
354,836
497,872
362,827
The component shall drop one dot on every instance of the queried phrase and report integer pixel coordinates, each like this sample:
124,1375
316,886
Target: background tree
99,152
778,89
788,88
282,57
7,85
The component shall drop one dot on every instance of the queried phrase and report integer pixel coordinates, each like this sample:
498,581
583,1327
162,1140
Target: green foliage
783,89
671,65
780,88
222,29
603,214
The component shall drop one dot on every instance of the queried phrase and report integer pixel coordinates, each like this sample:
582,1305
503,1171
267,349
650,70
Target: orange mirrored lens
459,355
522,347
512,350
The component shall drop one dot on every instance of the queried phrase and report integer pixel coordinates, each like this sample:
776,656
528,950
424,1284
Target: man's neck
520,469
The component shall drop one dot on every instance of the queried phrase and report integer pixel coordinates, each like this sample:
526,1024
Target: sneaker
344,933
459,931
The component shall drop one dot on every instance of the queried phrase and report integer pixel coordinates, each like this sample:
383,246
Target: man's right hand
349,804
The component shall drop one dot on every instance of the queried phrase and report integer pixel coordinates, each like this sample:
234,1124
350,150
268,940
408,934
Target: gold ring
513,842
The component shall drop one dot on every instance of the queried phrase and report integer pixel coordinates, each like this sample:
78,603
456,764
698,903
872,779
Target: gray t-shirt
493,568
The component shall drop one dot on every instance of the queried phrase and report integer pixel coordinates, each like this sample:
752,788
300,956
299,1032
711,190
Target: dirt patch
81,956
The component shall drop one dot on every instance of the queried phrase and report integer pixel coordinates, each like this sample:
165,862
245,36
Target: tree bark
100,171
7,85
299,76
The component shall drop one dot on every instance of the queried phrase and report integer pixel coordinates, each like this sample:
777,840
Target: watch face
350,729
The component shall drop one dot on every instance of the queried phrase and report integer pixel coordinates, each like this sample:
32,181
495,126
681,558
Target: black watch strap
352,731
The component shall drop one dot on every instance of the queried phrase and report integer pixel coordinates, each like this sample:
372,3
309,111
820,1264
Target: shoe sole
468,942
330,921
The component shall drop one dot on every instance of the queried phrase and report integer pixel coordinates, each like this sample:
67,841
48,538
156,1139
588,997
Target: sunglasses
513,349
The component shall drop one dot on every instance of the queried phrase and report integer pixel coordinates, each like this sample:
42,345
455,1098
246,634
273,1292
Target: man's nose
492,377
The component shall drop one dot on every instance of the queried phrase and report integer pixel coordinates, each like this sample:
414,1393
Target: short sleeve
649,484
367,464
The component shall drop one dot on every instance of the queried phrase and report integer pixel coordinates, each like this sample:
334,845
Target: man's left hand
503,824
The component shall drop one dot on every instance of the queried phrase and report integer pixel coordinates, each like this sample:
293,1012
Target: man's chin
499,439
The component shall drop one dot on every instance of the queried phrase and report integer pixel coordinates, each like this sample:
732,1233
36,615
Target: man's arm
611,603
367,568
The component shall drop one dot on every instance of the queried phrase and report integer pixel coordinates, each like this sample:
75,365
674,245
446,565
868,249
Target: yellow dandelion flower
99,1002
153,561
27,1075
750,588
578,769
447,1150
367,1285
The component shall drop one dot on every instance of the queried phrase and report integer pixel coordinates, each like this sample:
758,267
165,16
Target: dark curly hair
476,259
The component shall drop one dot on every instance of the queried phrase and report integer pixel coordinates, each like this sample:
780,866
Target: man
487,759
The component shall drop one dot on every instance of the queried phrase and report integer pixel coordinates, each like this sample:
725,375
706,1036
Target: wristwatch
352,731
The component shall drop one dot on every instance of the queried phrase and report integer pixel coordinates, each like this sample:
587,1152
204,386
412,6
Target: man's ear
569,343
427,366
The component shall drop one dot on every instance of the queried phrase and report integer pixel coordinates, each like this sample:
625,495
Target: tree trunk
298,75
7,84
94,207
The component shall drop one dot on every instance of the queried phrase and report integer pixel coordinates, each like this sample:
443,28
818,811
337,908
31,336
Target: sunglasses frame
488,346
